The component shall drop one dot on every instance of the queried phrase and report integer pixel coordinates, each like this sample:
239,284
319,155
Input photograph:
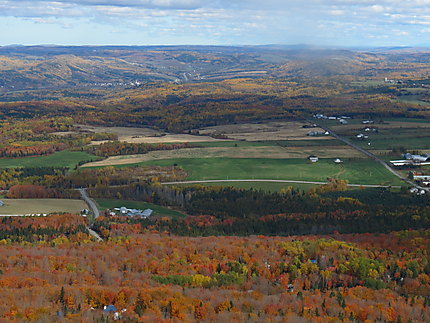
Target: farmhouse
368,129
313,158
361,136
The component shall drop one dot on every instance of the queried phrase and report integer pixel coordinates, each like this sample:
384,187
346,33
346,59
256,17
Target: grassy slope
60,159
158,210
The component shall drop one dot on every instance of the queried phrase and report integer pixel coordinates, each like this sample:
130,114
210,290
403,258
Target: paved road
92,205
374,157
268,181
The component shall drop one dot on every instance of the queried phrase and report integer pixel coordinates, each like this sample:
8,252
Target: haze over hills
38,67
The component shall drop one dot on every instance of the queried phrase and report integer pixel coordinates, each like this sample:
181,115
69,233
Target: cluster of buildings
342,119
317,133
417,191
412,160
132,212
422,179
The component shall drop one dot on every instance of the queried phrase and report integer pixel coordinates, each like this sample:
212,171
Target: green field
59,159
356,171
405,137
105,204
35,206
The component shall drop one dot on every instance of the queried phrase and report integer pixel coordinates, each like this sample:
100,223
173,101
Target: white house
313,159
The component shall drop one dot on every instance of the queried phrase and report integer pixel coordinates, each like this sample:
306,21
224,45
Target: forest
231,211
51,270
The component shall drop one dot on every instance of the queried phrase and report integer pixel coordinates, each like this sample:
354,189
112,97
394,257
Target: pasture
63,158
400,134
356,171
34,206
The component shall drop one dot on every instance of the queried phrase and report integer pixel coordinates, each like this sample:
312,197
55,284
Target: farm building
417,158
313,158
338,161
317,133
361,136
134,212
422,177
417,191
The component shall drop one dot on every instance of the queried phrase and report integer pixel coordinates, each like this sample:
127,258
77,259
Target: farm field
394,133
270,152
34,206
356,171
144,135
283,143
269,131
104,204
289,130
59,159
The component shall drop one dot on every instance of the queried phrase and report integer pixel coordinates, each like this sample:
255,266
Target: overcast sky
218,22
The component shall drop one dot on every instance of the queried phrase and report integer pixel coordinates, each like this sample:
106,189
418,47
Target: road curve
372,156
270,181
92,205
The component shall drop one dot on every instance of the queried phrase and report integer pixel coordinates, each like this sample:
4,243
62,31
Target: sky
347,23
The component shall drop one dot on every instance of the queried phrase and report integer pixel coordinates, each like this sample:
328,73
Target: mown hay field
35,206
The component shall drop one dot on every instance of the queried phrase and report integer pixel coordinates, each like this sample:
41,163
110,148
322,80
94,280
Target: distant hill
51,67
